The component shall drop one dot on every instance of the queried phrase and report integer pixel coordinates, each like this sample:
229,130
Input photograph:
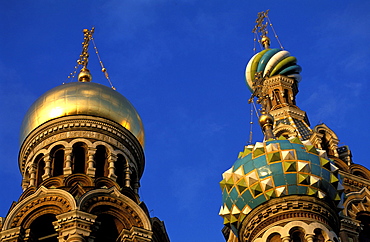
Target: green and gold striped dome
273,169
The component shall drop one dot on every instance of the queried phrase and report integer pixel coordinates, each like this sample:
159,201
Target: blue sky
181,64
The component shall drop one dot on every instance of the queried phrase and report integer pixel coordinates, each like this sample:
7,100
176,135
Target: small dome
273,169
271,62
83,98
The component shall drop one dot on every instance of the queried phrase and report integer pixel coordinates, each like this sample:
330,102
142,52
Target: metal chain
103,69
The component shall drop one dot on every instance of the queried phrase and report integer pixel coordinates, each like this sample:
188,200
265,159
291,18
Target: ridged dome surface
83,98
271,62
274,169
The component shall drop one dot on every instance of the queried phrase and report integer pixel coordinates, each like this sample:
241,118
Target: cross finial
85,47
261,27
85,75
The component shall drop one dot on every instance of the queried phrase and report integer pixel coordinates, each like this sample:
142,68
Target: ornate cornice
282,210
353,183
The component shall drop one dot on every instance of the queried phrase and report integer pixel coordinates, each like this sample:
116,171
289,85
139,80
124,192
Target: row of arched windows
81,160
107,229
297,234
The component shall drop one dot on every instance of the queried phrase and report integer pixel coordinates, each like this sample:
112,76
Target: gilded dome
83,98
273,169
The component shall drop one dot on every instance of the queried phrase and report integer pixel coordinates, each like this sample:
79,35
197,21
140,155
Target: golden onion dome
83,98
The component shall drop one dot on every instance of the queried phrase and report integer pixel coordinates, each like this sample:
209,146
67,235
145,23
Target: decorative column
127,175
111,168
285,239
47,168
136,186
67,170
91,163
74,226
310,237
32,175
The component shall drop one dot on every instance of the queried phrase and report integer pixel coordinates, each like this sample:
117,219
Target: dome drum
68,131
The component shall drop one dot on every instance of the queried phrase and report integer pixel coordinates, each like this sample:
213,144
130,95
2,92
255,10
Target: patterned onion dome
83,98
271,62
273,169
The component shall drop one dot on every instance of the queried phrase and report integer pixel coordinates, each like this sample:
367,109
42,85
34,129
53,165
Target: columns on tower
310,237
90,162
32,171
286,239
47,169
67,170
112,158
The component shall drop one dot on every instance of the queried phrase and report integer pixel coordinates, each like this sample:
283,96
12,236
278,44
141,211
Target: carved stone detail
74,225
135,235
282,210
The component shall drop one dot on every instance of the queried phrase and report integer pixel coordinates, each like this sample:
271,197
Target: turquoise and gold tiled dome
273,169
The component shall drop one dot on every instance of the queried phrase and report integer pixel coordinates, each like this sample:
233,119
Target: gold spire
85,75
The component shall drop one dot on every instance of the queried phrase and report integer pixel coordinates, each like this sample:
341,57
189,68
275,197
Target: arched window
286,95
275,237
277,97
297,235
108,229
58,162
40,163
79,158
42,229
319,237
325,142
120,165
101,163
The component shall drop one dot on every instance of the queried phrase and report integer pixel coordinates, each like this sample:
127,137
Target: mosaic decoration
273,169
271,62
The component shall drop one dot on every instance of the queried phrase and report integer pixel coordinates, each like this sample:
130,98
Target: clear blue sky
181,64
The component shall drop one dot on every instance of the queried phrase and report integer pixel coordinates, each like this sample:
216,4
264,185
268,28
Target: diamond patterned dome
273,169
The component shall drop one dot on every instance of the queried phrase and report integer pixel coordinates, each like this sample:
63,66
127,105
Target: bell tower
284,188
81,158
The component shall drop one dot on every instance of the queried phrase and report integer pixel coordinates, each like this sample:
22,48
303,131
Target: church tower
81,158
297,185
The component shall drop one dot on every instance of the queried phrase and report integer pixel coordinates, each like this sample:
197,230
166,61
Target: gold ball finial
265,41
266,122
85,75
266,119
